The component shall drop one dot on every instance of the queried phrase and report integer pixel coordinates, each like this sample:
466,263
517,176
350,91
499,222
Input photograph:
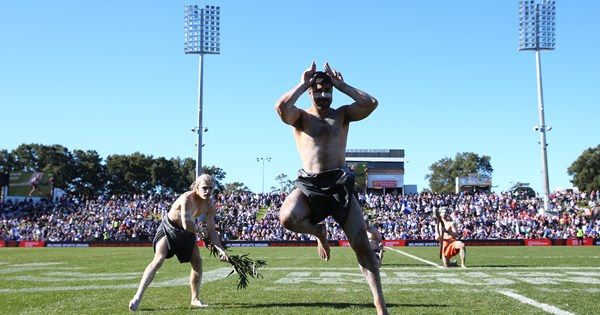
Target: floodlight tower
263,159
202,36
537,30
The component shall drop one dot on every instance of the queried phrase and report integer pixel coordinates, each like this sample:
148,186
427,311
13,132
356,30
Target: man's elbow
370,104
280,110
374,103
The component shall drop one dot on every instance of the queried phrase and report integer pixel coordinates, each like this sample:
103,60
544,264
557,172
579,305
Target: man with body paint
325,186
447,233
176,236
376,241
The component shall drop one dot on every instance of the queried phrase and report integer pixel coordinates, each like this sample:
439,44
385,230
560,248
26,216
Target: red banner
385,183
2,244
394,243
538,242
575,242
31,244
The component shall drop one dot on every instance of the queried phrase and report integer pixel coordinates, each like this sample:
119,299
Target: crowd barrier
389,243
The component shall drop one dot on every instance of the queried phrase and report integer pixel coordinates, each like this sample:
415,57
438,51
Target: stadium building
379,171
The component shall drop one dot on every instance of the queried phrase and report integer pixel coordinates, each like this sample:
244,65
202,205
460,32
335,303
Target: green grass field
500,280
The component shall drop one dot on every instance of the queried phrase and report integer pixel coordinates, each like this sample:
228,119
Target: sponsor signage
70,245
31,244
475,180
415,243
385,183
394,243
538,242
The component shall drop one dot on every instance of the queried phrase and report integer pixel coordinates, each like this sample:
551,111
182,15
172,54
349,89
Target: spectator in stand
480,216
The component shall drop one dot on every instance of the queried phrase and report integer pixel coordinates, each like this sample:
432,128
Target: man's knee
361,246
156,263
287,220
366,258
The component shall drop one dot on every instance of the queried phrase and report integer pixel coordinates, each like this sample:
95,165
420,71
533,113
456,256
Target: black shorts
179,241
329,193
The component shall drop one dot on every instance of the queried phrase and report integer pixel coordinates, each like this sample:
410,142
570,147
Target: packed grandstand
255,217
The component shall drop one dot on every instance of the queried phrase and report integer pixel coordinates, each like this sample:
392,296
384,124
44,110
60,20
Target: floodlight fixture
202,29
537,31
537,25
202,35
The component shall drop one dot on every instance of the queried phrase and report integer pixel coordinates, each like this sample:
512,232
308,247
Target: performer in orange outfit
446,233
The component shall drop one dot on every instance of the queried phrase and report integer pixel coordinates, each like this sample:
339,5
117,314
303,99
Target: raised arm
285,106
364,104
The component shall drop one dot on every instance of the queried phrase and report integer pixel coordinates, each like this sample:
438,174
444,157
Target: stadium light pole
537,30
263,159
202,32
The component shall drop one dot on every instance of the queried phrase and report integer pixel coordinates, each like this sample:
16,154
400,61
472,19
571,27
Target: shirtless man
446,233
35,184
324,185
376,241
176,235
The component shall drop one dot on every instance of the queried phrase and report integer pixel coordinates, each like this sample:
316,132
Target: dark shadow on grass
177,308
404,265
323,305
216,306
498,266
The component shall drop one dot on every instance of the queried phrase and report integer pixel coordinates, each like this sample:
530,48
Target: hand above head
336,77
308,77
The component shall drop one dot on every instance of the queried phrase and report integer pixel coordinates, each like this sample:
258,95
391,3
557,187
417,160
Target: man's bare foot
463,267
198,303
134,304
322,245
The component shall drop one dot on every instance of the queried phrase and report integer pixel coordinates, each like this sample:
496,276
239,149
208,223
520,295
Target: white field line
415,257
207,276
525,300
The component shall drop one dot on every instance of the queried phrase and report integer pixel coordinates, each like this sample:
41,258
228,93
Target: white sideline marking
207,276
20,269
548,308
417,258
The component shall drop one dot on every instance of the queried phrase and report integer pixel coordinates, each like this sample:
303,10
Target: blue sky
111,76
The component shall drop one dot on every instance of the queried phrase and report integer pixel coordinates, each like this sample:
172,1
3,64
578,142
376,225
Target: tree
163,175
129,174
6,165
285,185
444,172
84,172
218,174
89,176
586,170
236,187
55,160
185,173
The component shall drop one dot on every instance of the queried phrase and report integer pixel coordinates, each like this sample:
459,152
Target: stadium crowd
252,216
